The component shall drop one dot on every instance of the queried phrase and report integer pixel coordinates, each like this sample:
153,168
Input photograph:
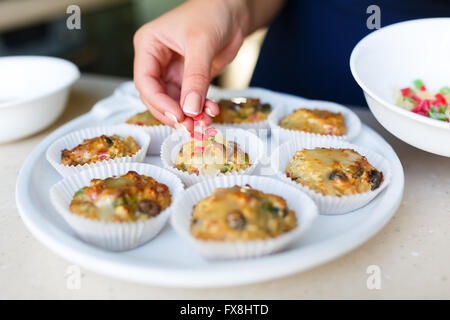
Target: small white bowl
393,57
33,93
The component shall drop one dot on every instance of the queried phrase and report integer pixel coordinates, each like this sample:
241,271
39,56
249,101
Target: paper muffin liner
157,133
262,128
352,121
249,142
330,205
115,236
305,210
73,139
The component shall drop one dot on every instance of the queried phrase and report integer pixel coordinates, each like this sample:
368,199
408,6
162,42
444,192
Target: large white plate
170,261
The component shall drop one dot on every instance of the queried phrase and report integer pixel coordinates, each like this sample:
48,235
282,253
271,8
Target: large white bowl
393,57
33,93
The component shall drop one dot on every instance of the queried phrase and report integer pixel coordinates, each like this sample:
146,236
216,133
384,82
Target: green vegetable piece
437,116
225,168
445,90
418,83
183,167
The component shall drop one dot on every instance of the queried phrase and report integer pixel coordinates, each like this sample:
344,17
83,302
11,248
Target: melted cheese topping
99,148
333,172
144,119
242,110
127,198
315,121
219,156
240,214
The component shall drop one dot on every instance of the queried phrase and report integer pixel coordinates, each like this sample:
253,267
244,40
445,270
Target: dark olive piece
236,220
337,175
109,141
285,212
375,178
194,221
149,207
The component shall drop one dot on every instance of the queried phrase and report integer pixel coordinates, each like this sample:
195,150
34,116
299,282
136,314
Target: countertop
412,250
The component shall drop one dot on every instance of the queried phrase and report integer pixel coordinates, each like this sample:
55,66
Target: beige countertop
412,250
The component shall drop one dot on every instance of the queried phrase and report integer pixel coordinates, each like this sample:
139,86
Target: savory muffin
99,148
128,198
240,214
242,110
143,119
315,121
333,172
211,157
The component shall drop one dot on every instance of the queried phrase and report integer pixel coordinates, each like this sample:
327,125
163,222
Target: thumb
196,78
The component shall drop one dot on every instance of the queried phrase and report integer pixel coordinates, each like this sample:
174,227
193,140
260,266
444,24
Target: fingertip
192,105
211,108
206,121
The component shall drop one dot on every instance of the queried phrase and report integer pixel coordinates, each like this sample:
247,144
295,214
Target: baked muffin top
99,148
128,198
144,118
333,172
211,157
241,214
242,110
315,121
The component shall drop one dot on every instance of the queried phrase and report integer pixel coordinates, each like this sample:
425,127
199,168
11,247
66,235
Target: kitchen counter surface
411,250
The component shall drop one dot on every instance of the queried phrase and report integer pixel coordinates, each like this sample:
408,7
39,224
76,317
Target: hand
177,55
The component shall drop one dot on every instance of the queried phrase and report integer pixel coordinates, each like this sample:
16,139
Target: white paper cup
330,205
304,207
248,142
114,236
73,139
262,128
352,121
157,133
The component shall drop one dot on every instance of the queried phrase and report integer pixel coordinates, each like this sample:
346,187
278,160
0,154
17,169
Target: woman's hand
177,55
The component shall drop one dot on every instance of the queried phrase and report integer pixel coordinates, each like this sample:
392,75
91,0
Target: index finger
147,79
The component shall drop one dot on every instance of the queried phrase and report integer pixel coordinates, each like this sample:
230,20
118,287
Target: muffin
145,119
242,110
241,214
211,157
316,121
128,198
333,172
99,148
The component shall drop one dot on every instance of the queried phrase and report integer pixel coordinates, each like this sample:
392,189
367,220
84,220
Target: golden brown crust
315,121
242,110
99,148
241,214
127,198
143,119
334,172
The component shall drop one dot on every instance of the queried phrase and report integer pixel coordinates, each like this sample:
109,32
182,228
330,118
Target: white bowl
33,93
393,57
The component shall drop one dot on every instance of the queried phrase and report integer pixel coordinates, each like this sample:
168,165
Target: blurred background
104,45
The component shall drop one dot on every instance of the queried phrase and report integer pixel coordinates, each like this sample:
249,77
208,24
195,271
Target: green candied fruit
418,83
445,90
183,167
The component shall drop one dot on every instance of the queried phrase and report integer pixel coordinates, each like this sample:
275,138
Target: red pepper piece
406,92
199,117
199,149
440,99
198,136
210,132
423,88
415,98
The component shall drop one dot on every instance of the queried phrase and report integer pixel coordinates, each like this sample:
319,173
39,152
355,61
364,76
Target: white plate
170,261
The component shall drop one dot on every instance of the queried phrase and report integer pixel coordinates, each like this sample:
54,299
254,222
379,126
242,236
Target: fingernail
181,127
208,112
171,116
192,104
